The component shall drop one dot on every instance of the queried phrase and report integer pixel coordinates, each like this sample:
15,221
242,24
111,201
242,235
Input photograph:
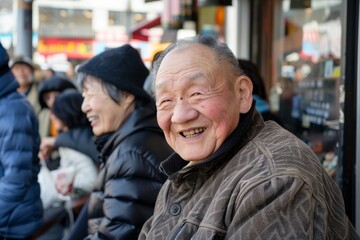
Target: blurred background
307,52
64,32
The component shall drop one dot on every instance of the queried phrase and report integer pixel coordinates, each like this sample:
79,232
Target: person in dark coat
78,136
78,157
74,143
48,90
131,144
21,210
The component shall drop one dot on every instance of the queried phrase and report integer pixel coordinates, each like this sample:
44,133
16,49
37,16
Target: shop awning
141,30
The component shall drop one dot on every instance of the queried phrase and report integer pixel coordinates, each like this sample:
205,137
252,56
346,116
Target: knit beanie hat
53,84
67,107
122,67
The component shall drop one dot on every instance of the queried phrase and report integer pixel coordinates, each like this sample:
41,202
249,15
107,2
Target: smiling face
198,102
104,114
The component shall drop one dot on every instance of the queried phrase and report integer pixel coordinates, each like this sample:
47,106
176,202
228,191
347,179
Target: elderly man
232,176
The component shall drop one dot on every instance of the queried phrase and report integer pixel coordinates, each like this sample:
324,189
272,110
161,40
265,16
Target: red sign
73,48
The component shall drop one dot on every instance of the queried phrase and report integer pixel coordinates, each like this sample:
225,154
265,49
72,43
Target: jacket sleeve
131,188
18,156
145,229
159,207
282,207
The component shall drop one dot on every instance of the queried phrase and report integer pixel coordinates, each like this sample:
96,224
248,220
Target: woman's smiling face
197,106
104,114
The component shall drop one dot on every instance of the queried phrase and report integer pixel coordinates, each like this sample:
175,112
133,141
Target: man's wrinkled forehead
190,45
187,51
190,63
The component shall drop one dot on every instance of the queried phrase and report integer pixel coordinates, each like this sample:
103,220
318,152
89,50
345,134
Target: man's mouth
193,132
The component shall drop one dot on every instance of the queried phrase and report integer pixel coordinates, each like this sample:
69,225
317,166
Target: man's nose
183,112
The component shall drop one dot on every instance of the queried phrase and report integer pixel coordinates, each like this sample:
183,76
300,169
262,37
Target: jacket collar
250,124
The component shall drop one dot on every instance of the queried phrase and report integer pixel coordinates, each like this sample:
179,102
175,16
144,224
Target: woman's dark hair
252,71
67,107
53,84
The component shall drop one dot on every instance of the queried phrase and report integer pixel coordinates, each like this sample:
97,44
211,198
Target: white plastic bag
49,194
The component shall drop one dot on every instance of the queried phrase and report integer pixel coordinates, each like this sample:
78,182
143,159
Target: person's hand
47,146
64,180
62,186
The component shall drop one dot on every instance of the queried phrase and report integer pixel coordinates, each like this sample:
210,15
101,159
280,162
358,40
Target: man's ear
244,87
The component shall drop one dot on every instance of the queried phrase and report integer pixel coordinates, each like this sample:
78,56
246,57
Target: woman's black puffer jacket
130,179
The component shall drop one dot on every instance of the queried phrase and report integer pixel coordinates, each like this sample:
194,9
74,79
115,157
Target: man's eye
196,94
165,101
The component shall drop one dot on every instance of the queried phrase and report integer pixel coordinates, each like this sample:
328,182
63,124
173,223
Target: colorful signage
73,48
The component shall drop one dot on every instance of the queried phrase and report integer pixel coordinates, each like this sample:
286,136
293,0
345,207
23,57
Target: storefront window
65,22
117,18
308,93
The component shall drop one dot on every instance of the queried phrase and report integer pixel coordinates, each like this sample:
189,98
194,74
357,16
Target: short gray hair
221,51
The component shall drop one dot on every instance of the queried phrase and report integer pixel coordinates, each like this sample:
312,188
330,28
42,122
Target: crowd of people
186,151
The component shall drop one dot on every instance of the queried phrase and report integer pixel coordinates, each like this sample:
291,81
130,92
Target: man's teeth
193,132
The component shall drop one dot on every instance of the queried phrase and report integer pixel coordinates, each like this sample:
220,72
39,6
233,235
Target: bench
60,213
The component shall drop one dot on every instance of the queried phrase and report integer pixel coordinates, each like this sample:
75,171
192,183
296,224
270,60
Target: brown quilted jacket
263,183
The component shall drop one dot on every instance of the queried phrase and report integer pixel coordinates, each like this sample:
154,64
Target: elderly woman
131,144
